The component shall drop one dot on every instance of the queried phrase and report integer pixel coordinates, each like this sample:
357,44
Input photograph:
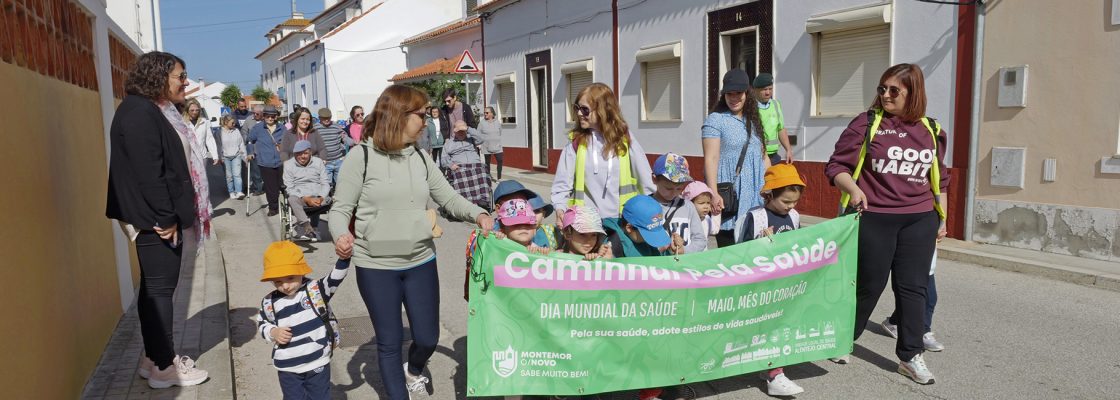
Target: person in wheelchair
308,187
463,166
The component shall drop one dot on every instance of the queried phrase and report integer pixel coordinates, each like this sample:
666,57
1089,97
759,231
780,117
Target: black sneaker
273,212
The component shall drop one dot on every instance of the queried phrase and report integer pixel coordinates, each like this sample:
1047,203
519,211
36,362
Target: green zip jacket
392,230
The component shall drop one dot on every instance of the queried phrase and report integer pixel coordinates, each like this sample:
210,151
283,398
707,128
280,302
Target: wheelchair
288,224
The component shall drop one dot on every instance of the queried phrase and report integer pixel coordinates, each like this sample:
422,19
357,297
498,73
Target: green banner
561,325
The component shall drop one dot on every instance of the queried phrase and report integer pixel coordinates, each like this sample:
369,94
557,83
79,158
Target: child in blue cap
641,230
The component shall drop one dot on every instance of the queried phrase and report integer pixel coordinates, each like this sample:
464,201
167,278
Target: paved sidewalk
201,331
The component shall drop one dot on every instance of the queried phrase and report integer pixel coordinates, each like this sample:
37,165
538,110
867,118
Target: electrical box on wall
1008,166
1013,86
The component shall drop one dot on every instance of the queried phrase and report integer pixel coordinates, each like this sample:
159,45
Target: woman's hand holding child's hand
281,335
344,245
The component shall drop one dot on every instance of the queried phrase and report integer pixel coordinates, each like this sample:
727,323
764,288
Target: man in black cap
770,111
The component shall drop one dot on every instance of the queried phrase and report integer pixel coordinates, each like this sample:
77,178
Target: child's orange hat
781,175
283,259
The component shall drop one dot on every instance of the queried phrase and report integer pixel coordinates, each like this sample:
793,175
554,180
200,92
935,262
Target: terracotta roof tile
452,27
441,66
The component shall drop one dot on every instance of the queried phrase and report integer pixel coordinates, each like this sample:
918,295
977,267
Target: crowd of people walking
377,175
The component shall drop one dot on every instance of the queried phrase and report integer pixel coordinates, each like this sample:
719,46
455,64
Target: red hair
605,106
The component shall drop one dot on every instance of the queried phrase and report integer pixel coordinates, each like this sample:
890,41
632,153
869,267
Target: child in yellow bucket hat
781,191
303,369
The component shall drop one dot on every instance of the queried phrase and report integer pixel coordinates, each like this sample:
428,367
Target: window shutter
663,90
506,102
576,82
849,65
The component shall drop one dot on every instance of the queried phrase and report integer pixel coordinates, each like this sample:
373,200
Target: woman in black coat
158,193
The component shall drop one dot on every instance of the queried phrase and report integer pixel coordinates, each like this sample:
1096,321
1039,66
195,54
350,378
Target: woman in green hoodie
385,189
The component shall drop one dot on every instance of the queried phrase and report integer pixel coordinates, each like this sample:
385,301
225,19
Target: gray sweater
392,230
307,180
460,152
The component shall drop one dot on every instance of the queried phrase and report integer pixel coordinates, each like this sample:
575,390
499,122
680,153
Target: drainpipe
614,42
482,44
974,129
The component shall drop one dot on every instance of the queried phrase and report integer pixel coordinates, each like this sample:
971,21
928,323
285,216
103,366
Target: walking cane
248,185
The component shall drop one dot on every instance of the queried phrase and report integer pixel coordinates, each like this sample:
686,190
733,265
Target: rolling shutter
506,105
849,65
662,90
576,82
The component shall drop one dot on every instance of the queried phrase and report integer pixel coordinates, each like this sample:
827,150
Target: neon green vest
934,174
627,183
771,125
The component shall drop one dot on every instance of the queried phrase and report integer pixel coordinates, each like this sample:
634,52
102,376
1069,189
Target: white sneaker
180,373
781,386
240,195
415,384
145,369
916,370
931,342
890,328
233,196
844,359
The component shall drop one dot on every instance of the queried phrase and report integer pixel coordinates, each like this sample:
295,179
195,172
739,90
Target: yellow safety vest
627,183
876,116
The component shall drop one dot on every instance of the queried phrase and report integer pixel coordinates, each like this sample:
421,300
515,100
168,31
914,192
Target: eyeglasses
582,110
893,90
182,76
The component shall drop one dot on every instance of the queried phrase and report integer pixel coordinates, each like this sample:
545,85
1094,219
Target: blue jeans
233,174
311,385
384,291
332,169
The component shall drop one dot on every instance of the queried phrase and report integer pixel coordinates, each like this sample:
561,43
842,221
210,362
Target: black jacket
149,180
445,119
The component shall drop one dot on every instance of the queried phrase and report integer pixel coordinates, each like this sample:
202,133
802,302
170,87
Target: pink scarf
197,164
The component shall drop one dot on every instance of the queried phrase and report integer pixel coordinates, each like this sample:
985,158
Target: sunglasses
182,76
893,90
582,110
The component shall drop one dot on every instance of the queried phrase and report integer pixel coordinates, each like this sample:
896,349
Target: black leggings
899,246
159,274
498,157
384,291
271,177
725,238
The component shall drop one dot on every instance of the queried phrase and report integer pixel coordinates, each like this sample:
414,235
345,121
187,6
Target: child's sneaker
781,386
145,369
181,372
916,370
930,342
415,384
891,329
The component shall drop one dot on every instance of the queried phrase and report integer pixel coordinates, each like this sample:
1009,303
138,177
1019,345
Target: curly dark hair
149,75
750,112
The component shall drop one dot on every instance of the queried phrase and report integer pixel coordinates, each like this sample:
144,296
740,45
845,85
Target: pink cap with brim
516,212
694,189
582,219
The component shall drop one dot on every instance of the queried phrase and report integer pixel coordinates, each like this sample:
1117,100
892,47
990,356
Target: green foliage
230,95
435,87
261,94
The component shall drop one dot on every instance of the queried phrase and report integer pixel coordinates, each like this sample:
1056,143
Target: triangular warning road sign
467,64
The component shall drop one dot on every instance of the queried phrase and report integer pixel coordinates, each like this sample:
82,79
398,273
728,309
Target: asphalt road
1008,335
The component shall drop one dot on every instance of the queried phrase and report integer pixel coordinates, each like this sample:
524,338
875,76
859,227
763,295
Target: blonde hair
225,119
187,107
386,122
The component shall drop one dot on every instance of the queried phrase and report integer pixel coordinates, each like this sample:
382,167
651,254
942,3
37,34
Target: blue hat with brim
538,204
301,145
506,188
645,215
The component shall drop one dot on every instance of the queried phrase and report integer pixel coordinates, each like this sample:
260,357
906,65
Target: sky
219,38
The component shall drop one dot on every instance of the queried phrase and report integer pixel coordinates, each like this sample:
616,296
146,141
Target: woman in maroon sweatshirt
900,224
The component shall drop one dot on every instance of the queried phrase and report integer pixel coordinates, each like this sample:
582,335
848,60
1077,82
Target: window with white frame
507,104
577,75
661,82
852,49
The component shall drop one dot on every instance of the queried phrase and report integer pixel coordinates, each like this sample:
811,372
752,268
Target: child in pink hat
519,223
701,197
583,233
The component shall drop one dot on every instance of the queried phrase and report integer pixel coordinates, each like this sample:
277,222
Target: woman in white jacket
203,132
233,154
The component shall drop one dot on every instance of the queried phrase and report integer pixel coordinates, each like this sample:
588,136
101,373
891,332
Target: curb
217,288
972,253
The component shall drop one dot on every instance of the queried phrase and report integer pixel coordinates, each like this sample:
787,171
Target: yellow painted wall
61,291
1073,99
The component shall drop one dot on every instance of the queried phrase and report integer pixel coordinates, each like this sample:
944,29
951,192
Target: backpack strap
760,220
314,293
268,308
874,117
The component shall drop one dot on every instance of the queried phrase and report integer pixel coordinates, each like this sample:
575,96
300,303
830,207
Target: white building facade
140,20
826,57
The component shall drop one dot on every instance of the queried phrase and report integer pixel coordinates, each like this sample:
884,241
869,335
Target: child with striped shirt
297,321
